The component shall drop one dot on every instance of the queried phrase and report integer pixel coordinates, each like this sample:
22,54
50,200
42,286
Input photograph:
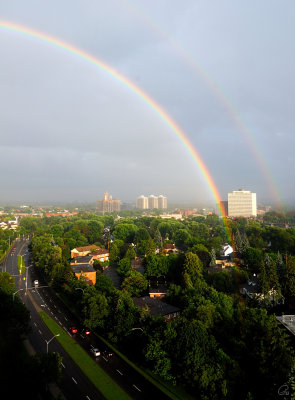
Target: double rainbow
132,87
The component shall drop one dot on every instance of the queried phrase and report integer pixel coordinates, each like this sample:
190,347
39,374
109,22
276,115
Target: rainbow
132,87
219,94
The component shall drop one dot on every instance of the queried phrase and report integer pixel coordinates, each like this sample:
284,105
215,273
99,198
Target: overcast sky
222,70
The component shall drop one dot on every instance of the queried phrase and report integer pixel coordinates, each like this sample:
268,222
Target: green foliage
135,283
114,253
125,232
192,268
95,308
124,267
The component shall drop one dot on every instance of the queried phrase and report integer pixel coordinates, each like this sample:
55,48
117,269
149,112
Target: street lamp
47,342
16,293
27,276
135,329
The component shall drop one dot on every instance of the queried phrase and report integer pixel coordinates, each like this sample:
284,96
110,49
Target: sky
222,71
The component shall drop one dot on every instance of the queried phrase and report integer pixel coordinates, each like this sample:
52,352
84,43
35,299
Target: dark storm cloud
63,121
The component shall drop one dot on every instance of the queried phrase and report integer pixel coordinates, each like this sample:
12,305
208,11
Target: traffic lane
112,365
73,377
129,379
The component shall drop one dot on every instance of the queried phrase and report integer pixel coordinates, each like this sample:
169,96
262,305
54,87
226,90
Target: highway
74,385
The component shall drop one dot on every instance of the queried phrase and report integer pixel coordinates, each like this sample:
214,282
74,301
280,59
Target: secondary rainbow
130,85
137,10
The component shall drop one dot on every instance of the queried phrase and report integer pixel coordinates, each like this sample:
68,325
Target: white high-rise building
153,201
142,202
162,202
242,203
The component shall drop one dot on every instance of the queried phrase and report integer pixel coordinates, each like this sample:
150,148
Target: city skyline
64,120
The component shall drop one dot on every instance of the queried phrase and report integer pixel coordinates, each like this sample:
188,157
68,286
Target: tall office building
142,202
242,203
108,204
162,202
153,201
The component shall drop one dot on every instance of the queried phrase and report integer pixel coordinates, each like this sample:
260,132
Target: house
158,291
83,251
227,250
157,307
81,260
249,289
85,272
100,255
169,248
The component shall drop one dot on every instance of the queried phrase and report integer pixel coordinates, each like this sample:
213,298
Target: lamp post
27,276
47,342
16,293
135,329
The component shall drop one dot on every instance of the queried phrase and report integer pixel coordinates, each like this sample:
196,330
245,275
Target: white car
36,282
95,351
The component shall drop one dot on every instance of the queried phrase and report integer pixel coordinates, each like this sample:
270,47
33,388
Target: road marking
63,365
104,358
66,319
119,372
87,397
136,388
35,324
74,380
40,332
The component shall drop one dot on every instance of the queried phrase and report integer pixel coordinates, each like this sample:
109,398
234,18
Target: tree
104,284
124,267
130,253
141,234
125,232
114,253
289,280
213,258
158,238
192,267
134,283
95,308
253,259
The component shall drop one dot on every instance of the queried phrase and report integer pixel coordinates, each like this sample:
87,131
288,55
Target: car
14,248
108,353
86,332
74,330
36,282
94,351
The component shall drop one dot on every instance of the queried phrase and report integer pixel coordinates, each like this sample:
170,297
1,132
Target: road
74,385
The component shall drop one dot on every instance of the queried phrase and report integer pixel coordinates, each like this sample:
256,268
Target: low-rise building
83,251
100,255
85,272
157,307
82,260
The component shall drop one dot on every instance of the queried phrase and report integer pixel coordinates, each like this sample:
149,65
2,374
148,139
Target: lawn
109,389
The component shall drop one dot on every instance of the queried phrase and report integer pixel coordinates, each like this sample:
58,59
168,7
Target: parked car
95,351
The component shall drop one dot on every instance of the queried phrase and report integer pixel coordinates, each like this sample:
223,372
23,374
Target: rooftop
156,307
81,260
86,248
82,268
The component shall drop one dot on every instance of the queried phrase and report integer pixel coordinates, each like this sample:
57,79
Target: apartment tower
242,203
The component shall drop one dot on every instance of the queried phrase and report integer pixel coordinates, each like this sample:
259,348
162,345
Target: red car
74,330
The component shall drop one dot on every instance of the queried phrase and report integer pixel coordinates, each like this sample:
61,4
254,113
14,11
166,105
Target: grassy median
21,265
109,389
